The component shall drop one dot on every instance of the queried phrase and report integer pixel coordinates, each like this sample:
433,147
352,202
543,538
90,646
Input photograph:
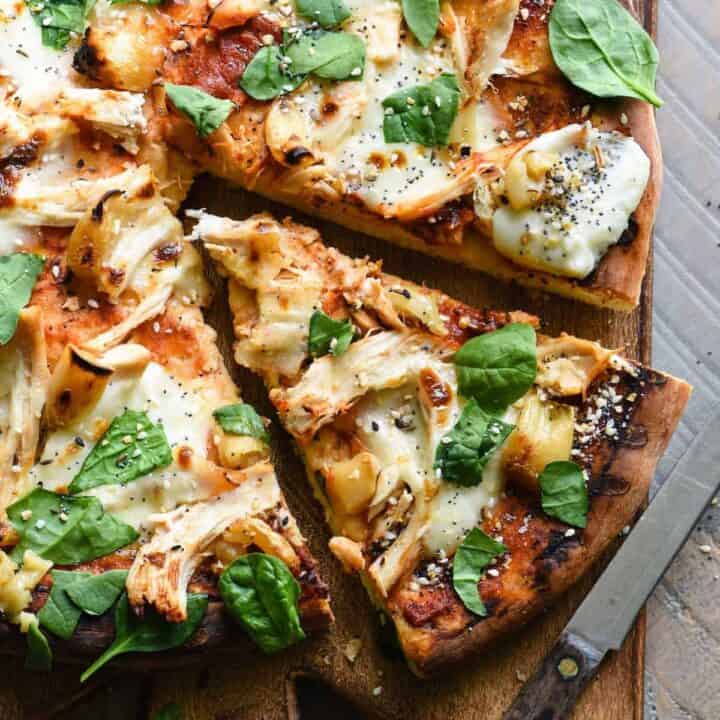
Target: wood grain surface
255,687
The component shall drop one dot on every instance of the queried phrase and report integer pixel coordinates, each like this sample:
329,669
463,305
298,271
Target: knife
606,615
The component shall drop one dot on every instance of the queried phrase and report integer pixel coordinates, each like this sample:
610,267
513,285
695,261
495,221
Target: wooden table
259,689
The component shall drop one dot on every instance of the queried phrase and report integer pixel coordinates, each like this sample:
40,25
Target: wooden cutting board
255,687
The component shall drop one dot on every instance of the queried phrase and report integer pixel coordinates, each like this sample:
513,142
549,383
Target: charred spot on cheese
10,166
86,60
97,211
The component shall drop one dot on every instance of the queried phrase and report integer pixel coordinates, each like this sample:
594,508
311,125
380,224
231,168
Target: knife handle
551,693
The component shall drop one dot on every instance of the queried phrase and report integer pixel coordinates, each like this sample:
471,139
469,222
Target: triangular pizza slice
470,467
137,493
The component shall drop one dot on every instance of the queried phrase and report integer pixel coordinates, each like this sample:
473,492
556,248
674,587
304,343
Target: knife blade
606,615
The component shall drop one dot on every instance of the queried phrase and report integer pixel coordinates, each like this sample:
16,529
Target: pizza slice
487,133
470,467
137,494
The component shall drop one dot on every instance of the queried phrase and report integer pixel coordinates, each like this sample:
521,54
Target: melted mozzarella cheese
186,421
389,176
456,509
582,216
37,73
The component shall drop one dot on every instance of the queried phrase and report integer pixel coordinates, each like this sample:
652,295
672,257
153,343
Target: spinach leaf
464,452
327,55
96,594
39,655
328,335
473,555
499,367
241,419
60,615
58,19
422,17
423,114
261,594
207,113
131,447
66,529
171,711
149,633
327,13
18,274
264,78
601,48
564,494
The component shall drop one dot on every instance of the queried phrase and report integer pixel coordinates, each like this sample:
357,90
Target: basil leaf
131,447
149,633
473,555
66,529
564,494
58,19
207,113
96,594
422,17
601,48
464,452
264,79
328,335
18,275
171,711
241,419
423,114
39,655
327,55
60,615
499,367
327,13
261,594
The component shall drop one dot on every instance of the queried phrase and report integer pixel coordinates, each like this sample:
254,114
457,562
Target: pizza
138,496
516,138
470,467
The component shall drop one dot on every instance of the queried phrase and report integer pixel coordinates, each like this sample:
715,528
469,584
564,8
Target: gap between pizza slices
464,513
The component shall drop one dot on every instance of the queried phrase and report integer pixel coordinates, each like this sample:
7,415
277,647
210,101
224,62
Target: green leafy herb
279,69
464,452
207,113
328,335
149,633
423,114
601,48
499,367
264,78
58,19
327,55
66,529
18,274
241,419
171,711
327,13
131,447
422,17
60,615
473,555
564,494
261,594
96,594
39,655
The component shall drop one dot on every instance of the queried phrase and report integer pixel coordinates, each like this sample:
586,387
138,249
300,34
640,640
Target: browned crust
429,649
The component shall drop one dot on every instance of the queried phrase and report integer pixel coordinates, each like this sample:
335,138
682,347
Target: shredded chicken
180,540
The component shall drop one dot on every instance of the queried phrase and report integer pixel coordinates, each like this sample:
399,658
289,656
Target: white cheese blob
457,509
584,203
186,421
36,72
